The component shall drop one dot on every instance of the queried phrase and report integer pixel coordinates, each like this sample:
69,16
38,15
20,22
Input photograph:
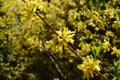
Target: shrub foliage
59,39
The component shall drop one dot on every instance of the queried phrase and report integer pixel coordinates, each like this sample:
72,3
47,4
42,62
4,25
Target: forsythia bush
59,39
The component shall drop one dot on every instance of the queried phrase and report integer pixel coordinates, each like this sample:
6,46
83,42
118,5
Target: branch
55,61
74,52
104,78
46,23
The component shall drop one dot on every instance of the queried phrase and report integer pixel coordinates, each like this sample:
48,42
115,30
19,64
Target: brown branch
24,1
57,67
104,78
46,22
74,52
56,62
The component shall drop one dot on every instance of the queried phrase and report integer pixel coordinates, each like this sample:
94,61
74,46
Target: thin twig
60,68
57,67
63,73
74,52
46,22
24,1
104,78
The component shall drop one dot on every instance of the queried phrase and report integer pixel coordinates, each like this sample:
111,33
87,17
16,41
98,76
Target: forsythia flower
30,9
82,2
56,78
33,4
106,46
80,26
89,66
85,49
114,78
60,40
116,51
109,33
33,42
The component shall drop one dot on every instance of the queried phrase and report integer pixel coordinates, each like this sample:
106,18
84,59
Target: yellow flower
33,42
56,78
30,8
116,51
60,40
89,67
33,4
66,35
114,78
80,26
81,2
106,46
109,33
85,49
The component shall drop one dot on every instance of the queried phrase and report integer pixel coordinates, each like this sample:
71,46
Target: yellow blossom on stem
89,67
116,51
64,36
106,46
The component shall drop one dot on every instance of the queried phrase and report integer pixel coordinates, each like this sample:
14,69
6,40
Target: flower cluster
85,49
116,51
25,28
60,40
89,67
106,46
